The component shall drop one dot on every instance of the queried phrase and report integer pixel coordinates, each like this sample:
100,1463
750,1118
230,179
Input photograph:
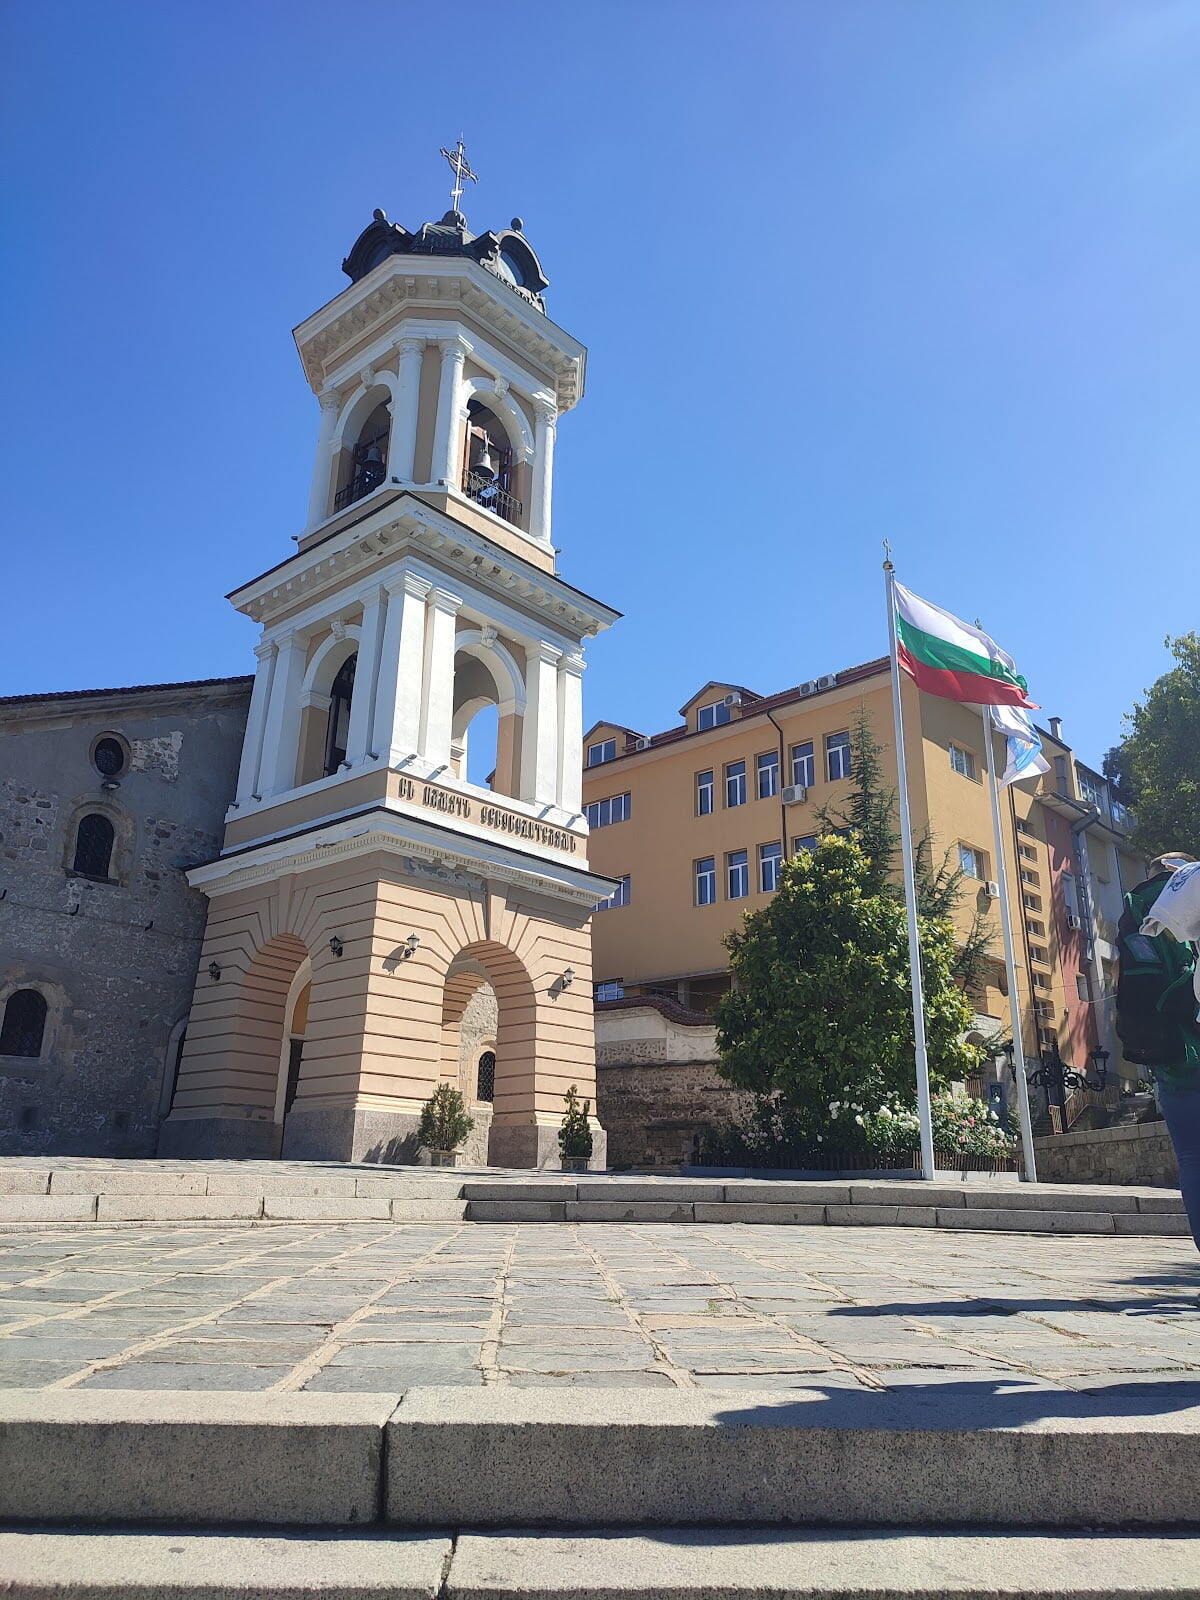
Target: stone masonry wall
653,1113
1137,1154
116,961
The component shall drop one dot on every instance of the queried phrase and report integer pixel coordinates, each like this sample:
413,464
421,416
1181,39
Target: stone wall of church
116,960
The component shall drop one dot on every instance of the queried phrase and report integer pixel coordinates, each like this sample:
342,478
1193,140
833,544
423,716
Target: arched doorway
291,1050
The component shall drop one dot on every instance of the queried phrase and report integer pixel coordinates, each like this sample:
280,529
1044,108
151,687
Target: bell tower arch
422,590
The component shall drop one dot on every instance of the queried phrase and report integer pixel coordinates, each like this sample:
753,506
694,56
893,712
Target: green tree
820,1009
1156,767
871,812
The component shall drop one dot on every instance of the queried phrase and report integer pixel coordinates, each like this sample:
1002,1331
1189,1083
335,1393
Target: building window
1041,980
1082,987
737,874
803,765
1091,790
94,847
1032,902
807,841
1029,877
706,881
769,858
971,862
1043,1010
962,761
1037,953
837,755
1024,826
619,896
704,793
485,1081
109,757
597,754
613,989
1028,852
767,769
24,1025
337,729
602,813
1048,1037
1035,928
735,783
712,716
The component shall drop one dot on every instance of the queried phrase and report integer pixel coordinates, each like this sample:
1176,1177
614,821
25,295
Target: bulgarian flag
947,657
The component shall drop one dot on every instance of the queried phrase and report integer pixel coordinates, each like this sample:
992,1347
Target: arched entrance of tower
489,1050
291,1049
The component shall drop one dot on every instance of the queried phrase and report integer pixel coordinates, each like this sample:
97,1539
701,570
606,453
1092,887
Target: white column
543,469
445,438
397,725
252,742
539,734
570,733
318,495
366,677
441,624
281,736
402,437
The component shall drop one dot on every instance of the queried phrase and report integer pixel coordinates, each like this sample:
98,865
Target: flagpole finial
887,556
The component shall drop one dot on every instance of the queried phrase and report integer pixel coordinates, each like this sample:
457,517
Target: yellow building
694,821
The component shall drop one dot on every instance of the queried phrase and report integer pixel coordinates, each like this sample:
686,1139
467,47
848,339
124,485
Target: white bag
1177,909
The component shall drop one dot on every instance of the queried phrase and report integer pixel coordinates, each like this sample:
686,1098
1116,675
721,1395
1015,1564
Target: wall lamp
564,981
214,971
411,945
336,945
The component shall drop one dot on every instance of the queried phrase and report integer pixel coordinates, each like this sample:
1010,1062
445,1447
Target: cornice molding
422,284
448,860
421,530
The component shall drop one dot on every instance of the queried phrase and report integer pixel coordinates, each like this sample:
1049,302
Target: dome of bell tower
504,252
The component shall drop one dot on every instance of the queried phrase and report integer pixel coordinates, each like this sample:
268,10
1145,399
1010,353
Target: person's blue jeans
1181,1110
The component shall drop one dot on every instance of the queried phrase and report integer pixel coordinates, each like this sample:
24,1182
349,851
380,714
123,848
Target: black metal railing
367,477
487,492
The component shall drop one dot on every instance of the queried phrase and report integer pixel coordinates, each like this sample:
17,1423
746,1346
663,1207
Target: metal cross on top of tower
461,168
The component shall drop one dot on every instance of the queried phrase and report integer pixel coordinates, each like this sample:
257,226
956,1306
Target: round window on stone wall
109,757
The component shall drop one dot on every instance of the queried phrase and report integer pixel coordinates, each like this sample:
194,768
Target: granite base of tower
219,1138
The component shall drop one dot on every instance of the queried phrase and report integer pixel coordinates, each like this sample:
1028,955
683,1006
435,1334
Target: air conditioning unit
734,699
1074,920
795,794
992,889
808,688
641,742
829,681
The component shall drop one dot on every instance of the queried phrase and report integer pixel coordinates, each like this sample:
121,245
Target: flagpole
924,1111
1010,962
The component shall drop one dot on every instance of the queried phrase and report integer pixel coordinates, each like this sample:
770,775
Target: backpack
1156,1006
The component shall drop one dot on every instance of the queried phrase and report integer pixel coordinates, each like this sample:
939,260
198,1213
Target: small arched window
94,846
24,1025
367,467
337,734
486,1088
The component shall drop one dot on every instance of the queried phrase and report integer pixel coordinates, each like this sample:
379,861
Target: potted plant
444,1125
575,1134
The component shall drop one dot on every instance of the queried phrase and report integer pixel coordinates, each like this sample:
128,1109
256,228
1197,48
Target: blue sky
847,270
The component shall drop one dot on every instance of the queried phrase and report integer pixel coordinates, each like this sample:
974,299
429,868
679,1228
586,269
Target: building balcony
486,492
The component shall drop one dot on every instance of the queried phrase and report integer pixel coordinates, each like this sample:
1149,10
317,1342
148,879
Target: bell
485,466
374,457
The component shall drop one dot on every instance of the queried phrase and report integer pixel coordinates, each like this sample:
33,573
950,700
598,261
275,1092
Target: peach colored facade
664,941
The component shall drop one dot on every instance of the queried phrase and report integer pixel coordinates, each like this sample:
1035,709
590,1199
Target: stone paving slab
377,1307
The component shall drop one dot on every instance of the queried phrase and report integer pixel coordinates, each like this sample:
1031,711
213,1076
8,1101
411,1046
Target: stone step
503,1457
670,1564
130,1192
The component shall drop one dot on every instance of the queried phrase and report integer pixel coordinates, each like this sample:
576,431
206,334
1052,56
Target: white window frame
607,751
806,841
704,872
962,761
974,868
613,808
737,862
767,765
735,782
772,861
804,764
713,715
708,789
837,754
617,985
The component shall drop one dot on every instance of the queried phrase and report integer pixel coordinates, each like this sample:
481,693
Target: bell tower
407,846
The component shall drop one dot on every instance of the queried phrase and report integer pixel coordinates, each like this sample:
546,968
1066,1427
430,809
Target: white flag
1025,758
